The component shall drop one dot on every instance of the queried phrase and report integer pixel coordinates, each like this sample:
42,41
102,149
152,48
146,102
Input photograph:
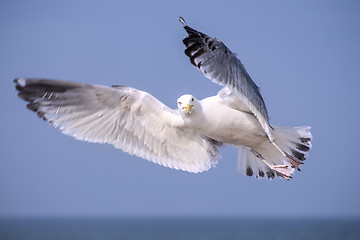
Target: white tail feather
279,158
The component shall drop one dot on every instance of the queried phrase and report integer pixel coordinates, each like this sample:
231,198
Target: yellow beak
188,108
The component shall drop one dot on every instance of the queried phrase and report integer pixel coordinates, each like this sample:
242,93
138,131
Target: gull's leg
280,169
294,162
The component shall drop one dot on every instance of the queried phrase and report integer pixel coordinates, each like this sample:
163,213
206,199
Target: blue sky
304,55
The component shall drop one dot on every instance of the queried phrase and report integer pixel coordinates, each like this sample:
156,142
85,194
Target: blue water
179,228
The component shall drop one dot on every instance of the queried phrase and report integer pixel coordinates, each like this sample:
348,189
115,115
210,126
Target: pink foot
282,170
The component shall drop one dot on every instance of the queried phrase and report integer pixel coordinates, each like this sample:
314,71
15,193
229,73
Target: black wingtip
19,83
182,20
249,172
118,86
19,80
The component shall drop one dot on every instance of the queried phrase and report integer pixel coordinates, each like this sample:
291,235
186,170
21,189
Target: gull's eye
179,103
192,99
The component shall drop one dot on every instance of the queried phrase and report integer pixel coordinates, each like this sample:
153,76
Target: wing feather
129,119
220,65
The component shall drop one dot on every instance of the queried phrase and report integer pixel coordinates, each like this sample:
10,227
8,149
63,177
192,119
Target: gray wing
222,66
129,119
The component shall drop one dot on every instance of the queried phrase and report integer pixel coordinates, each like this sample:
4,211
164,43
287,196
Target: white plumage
186,138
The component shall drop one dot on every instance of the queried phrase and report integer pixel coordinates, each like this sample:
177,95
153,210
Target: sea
197,228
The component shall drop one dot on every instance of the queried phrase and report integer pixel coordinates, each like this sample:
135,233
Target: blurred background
304,56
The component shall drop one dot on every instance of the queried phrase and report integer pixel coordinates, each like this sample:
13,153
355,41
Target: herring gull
186,138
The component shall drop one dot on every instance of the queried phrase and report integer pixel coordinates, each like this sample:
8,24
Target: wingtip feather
182,20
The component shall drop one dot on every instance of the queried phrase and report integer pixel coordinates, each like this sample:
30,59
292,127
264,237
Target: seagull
187,138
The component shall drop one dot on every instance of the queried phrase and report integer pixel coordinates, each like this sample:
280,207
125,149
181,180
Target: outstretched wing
129,119
222,66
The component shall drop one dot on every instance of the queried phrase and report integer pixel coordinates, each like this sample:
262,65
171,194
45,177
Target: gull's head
187,104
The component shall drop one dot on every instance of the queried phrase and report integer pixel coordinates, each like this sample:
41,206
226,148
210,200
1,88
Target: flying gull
186,138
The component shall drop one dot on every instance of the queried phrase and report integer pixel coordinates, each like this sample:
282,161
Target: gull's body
185,138
224,126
